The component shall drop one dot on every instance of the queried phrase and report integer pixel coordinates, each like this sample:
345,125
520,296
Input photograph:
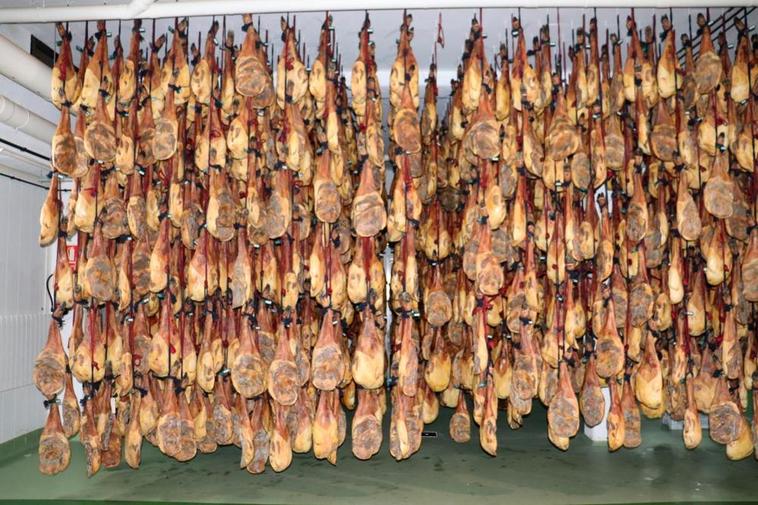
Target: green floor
527,470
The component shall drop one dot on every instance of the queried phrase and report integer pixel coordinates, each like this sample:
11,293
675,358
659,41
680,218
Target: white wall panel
24,309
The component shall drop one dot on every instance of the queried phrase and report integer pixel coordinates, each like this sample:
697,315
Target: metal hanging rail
150,9
724,22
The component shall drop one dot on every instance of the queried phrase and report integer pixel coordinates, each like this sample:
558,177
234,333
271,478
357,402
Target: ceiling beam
152,9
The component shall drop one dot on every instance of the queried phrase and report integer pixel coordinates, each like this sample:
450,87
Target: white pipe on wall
19,66
151,9
18,117
131,10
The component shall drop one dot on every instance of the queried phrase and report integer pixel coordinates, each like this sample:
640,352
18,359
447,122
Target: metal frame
150,9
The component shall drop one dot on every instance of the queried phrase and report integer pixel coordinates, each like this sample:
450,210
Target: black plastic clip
53,401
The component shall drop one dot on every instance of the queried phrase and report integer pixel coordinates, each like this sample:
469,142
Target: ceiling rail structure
724,22
150,9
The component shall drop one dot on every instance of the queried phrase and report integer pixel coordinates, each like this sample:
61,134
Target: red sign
72,251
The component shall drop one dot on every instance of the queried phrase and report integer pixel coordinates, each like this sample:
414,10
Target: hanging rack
724,22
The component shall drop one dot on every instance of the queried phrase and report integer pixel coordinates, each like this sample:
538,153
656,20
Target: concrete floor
527,470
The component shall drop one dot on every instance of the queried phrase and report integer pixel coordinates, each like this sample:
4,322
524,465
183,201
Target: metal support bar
724,22
147,9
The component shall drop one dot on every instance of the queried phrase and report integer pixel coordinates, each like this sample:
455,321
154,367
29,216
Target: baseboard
20,445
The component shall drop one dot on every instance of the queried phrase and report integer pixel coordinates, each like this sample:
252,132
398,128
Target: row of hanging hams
589,232
550,236
230,288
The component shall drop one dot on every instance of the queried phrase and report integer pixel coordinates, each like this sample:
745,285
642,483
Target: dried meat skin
366,436
282,382
631,414
220,421
406,130
724,417
460,422
49,373
369,216
368,357
366,431
166,133
249,378
563,411
724,423
708,71
612,358
591,399
168,433
54,450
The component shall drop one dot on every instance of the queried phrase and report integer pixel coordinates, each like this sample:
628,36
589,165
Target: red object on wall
72,251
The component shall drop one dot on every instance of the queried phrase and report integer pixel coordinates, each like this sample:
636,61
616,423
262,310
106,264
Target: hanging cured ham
263,246
50,365
54,449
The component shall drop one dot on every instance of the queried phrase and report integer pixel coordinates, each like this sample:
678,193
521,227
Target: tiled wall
24,309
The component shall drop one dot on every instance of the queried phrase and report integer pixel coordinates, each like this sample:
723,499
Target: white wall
22,96
24,266
24,309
